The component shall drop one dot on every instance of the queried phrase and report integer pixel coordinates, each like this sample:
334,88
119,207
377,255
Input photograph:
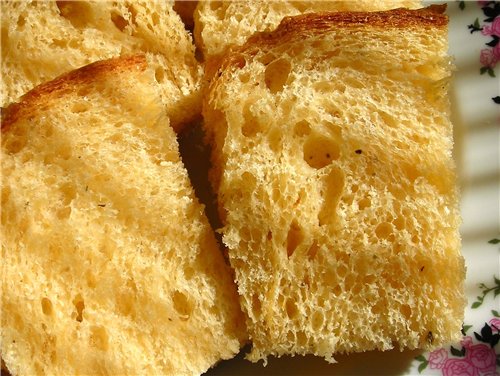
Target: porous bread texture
109,265
220,24
44,39
336,185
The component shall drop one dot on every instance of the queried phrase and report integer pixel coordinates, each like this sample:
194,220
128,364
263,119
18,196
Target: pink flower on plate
466,342
494,29
482,357
437,358
459,367
487,58
496,51
495,324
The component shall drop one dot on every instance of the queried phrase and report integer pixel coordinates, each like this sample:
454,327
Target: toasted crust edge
309,24
67,83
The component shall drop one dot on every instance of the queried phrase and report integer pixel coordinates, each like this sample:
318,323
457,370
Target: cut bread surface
332,164
44,39
221,24
109,265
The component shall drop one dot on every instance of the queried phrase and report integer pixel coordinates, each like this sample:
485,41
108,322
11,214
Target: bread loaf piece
220,24
336,185
43,39
109,265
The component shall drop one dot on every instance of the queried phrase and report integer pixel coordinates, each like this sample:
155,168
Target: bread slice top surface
44,39
110,265
292,28
219,25
335,180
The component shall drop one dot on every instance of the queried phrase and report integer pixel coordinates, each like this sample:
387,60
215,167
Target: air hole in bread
399,223
118,20
46,306
21,21
79,307
76,12
214,5
84,91
313,250
182,305
133,14
356,288
291,309
384,230
334,186
155,18
90,278
65,152
406,311
256,305
341,270
15,145
320,151
301,339
64,213
388,119
364,203
159,75
188,272
411,172
68,191
302,128
276,75
251,125
98,338
80,107
244,77
294,239
275,139
317,321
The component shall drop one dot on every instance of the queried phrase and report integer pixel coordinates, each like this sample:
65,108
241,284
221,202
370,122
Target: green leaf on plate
495,313
476,305
491,72
421,358
461,5
494,241
466,328
422,366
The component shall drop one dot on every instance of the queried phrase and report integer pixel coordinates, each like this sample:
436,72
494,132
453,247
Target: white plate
476,118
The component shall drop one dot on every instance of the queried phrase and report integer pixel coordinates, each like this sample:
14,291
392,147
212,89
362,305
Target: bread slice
43,39
109,263
336,184
220,24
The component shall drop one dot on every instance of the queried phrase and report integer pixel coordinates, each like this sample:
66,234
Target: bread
109,263
43,39
332,164
220,24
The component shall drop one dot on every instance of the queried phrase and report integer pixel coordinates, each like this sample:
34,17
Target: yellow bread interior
109,263
336,185
44,39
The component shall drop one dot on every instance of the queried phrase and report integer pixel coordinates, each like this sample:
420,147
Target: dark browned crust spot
42,95
312,24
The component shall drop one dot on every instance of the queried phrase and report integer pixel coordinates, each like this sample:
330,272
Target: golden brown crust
69,82
310,24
